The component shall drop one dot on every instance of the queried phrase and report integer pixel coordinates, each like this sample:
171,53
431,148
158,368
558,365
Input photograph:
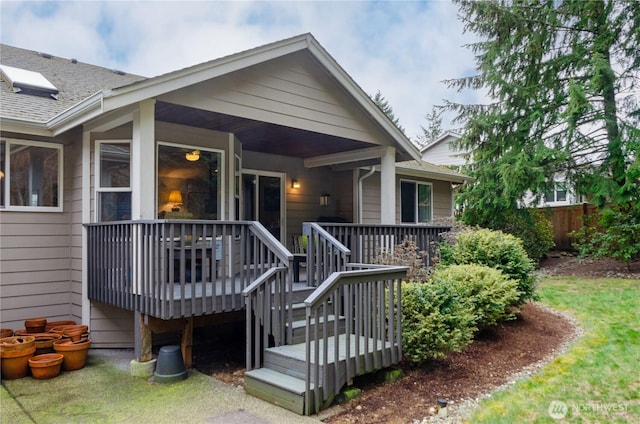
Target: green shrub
494,249
615,234
435,320
487,291
534,229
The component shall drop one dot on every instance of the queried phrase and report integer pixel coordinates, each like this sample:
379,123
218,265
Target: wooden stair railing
352,327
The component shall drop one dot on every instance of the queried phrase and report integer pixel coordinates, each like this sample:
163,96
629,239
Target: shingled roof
74,80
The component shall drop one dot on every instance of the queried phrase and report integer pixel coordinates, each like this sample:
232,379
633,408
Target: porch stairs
281,380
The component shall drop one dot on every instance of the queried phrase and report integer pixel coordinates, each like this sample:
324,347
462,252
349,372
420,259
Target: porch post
142,204
388,187
143,155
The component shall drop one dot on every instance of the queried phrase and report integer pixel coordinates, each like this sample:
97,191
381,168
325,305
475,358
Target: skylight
30,82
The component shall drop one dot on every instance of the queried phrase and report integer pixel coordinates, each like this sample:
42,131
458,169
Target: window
30,176
113,180
558,194
415,202
190,184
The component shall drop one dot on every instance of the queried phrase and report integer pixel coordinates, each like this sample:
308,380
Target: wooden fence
566,219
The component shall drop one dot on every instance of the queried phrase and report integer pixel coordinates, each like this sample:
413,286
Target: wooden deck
306,339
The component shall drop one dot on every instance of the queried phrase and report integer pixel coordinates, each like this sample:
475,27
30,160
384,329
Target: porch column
143,195
388,187
143,153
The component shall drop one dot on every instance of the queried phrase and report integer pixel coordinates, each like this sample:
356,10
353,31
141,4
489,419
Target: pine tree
563,81
386,108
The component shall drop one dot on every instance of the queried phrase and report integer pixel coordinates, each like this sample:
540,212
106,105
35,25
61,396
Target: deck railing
172,269
325,254
266,300
366,242
370,302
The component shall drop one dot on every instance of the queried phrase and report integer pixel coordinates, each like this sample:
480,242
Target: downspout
362,178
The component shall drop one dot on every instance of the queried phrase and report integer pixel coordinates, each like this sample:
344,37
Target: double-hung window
30,176
416,204
113,180
558,194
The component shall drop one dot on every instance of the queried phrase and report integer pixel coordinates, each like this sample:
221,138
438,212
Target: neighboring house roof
89,99
74,80
441,152
447,135
426,169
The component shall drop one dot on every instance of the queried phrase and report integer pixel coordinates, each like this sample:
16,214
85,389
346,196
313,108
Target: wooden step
277,388
301,292
299,330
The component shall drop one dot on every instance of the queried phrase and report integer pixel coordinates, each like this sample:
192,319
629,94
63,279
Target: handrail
368,241
271,242
369,302
325,254
344,277
265,306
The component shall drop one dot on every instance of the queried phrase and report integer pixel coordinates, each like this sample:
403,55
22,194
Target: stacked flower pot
43,347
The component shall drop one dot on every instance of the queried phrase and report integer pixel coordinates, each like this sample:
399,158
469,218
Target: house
563,206
141,205
442,151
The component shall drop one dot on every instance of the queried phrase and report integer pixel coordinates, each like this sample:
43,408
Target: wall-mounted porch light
295,184
193,156
325,199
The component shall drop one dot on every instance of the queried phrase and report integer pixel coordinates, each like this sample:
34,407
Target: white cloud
404,49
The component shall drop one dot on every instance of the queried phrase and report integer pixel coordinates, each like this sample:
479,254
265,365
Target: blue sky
405,49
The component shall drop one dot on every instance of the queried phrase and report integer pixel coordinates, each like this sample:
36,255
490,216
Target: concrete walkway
103,391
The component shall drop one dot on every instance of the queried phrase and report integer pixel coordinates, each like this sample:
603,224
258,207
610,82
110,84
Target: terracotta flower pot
44,342
52,324
75,353
60,329
8,344
15,363
46,366
35,325
75,332
5,332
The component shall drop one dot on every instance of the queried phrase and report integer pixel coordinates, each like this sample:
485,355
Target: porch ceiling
259,136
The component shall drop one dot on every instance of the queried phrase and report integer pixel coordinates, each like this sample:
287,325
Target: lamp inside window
175,197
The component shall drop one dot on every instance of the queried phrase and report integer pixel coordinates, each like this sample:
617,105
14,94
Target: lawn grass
598,379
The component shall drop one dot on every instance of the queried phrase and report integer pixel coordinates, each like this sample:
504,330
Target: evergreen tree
563,81
433,129
386,108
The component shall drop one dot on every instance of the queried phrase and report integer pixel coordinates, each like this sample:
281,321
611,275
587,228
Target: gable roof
447,135
90,101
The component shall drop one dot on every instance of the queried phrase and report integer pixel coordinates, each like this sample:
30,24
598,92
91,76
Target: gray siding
371,199
290,91
35,260
303,204
442,198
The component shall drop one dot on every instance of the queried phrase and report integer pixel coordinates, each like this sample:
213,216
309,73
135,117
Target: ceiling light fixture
193,156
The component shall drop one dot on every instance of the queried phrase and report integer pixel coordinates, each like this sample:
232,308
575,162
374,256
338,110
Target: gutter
77,114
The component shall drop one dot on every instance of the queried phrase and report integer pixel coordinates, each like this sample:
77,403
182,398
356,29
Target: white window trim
97,172
283,193
7,177
417,182
222,173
